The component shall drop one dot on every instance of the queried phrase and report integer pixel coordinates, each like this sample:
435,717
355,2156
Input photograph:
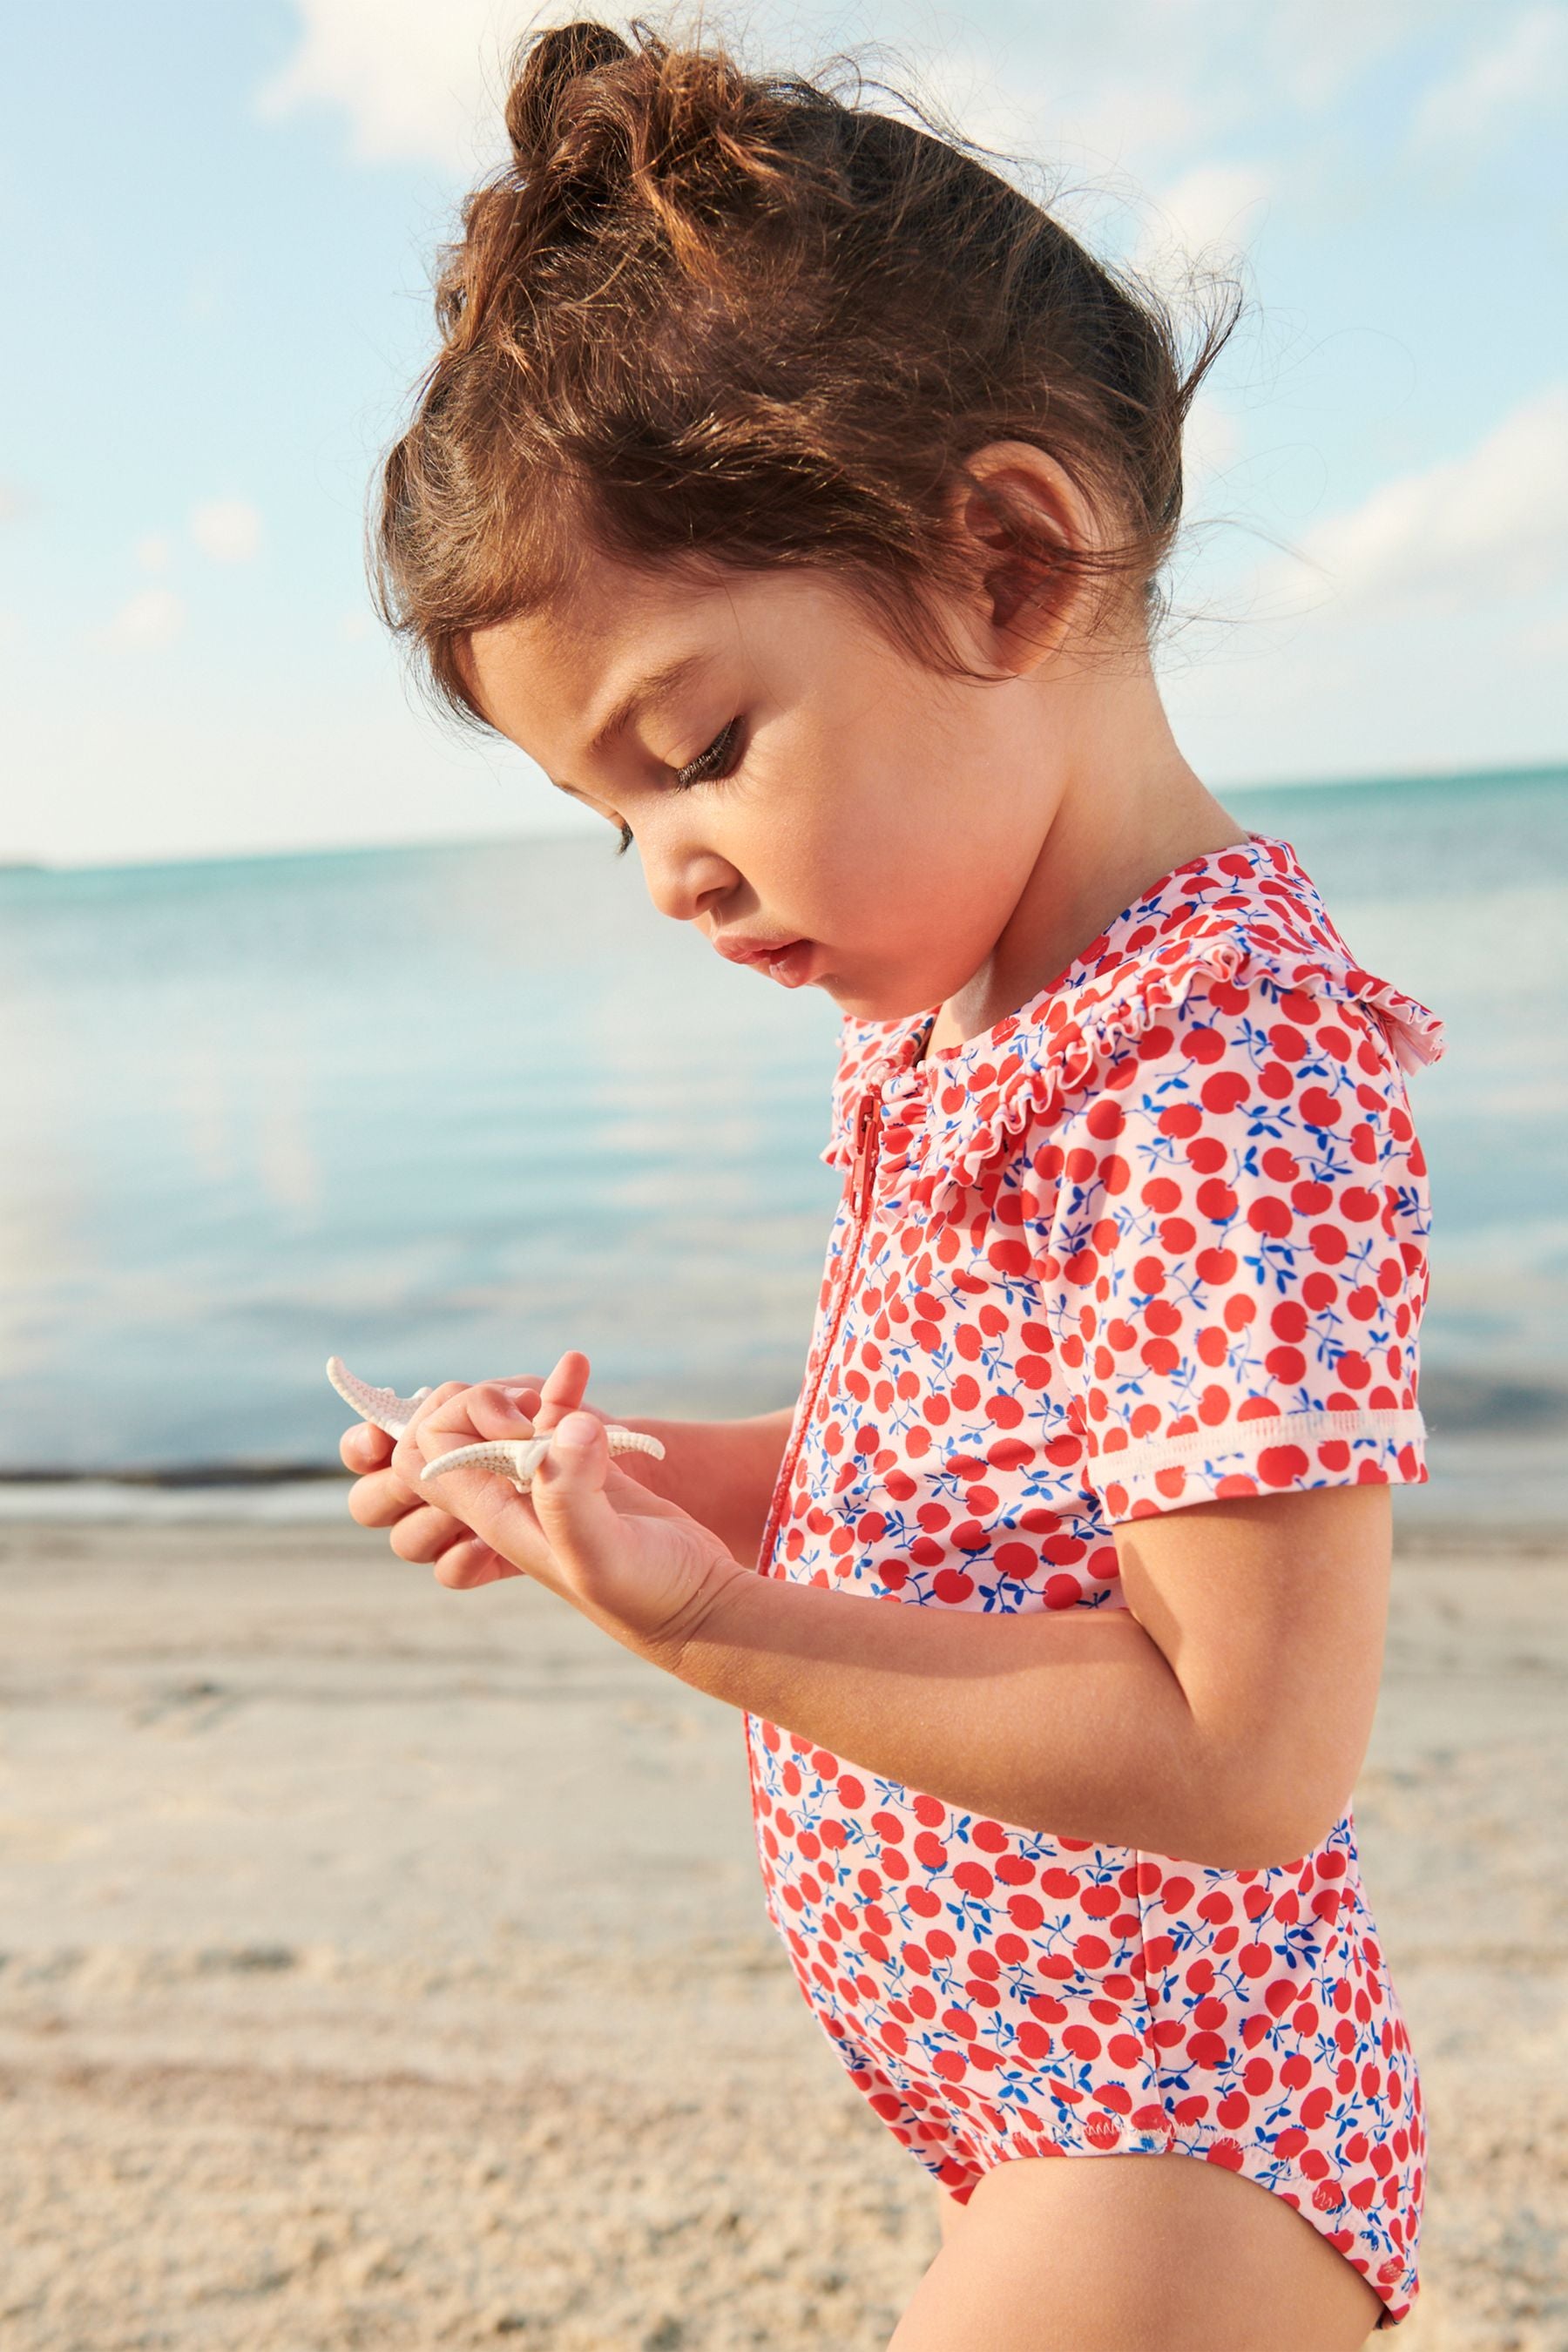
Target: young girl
793,490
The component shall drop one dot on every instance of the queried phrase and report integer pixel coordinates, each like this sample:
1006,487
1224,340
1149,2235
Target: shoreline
1528,1517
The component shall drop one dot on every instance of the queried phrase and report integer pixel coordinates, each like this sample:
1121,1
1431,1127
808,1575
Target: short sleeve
1236,1252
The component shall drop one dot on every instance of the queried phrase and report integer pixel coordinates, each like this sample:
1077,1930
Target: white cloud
1040,104
152,617
1465,532
229,529
15,503
1215,208
415,76
1525,67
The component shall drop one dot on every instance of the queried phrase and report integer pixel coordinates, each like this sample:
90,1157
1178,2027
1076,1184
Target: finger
497,1409
464,1565
492,1409
381,1499
434,1404
563,1391
408,1456
582,1528
364,1447
423,1534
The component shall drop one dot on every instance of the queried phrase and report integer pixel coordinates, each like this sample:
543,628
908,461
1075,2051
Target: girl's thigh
1133,2253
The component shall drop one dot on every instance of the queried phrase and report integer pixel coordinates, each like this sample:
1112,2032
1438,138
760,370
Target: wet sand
387,1967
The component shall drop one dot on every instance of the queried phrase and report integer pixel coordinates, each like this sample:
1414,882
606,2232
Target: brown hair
705,316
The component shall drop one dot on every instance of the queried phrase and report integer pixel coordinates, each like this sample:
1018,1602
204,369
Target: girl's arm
721,1472
1221,1717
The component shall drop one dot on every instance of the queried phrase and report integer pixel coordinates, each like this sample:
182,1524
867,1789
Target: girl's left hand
637,1566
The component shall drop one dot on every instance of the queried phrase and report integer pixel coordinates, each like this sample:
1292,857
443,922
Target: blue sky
217,223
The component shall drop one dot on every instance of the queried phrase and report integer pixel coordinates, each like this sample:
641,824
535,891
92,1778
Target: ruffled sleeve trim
1047,1066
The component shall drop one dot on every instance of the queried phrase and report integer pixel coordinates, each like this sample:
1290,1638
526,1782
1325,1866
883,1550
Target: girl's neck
1094,861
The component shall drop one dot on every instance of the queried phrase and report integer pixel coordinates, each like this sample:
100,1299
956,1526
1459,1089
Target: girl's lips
789,965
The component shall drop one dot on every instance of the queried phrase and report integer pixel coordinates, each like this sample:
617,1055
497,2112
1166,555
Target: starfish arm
384,1408
632,1441
516,1458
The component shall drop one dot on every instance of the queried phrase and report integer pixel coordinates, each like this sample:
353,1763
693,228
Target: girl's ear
1021,514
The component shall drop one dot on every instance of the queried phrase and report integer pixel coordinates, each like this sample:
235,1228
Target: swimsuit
1157,1238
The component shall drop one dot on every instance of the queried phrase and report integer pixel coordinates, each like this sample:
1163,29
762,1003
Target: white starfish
516,1458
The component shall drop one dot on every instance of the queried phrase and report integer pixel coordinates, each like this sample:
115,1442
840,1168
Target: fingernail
576,1431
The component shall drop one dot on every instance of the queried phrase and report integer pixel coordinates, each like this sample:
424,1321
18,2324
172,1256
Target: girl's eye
717,760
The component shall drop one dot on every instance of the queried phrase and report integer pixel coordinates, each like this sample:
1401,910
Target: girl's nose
684,878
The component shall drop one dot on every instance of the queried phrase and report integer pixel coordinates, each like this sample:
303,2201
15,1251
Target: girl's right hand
421,1532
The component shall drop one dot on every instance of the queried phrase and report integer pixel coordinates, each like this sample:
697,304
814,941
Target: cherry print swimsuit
1158,1238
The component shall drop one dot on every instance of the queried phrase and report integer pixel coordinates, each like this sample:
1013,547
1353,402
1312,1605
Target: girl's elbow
1274,1829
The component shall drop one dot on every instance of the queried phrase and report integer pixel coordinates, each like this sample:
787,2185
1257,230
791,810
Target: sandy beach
387,1967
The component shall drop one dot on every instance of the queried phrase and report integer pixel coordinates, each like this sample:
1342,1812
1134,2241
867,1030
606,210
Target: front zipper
868,1123
862,1178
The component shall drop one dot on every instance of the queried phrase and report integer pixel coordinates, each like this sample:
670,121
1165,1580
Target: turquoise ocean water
446,1112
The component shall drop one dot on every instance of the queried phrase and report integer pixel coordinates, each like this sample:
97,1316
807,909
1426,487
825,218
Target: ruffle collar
1230,912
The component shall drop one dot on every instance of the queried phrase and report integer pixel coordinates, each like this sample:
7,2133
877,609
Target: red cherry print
1179,1120
1223,1091
1282,1466
1318,1108
1271,1216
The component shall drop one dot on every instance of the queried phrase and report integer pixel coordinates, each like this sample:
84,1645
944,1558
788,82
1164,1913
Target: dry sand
385,1967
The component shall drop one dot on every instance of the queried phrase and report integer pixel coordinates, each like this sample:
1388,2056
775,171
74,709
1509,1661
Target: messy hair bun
549,65
707,316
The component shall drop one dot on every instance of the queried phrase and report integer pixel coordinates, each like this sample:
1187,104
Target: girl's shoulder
1226,964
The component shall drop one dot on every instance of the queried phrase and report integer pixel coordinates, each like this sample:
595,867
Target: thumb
568,1495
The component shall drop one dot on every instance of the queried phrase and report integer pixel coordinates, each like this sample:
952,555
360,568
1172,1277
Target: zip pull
867,1114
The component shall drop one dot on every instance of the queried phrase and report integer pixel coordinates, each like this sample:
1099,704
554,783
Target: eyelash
698,771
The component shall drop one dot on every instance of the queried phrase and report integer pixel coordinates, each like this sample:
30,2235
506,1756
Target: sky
217,230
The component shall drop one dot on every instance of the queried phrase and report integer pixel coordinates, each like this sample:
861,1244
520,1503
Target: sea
447,1111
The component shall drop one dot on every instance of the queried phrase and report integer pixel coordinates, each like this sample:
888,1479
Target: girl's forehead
572,658
566,659
566,676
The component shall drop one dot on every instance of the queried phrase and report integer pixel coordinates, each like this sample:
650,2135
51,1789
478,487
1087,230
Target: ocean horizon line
1468,779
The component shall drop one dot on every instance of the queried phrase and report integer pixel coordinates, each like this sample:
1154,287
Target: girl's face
786,774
